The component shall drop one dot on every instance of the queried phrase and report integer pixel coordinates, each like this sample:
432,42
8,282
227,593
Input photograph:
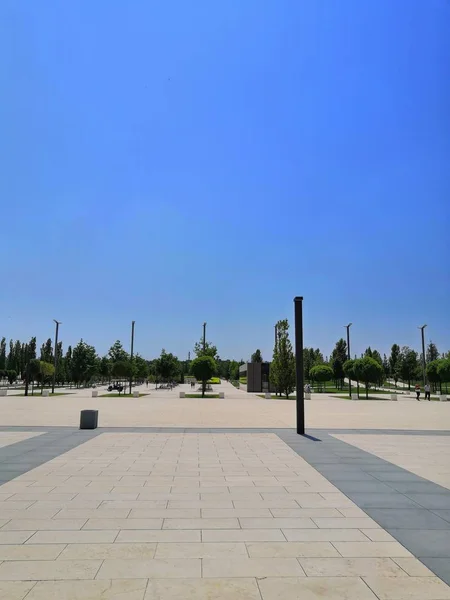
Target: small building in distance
254,377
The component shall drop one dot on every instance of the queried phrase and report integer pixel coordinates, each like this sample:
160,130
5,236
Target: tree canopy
203,368
282,371
257,356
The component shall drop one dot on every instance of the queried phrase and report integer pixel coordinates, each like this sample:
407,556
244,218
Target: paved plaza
220,499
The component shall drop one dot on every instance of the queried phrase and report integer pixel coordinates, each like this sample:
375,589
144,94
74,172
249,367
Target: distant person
307,389
427,391
417,390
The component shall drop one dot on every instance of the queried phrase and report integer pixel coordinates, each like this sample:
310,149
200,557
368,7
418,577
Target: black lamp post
300,384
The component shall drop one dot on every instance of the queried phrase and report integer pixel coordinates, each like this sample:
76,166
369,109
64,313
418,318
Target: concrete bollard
443,398
182,394
307,396
45,393
3,392
89,419
222,395
268,396
354,396
135,394
393,396
94,393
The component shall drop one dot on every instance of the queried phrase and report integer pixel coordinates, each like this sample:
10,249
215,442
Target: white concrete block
182,394
135,394
354,396
45,392
443,398
222,395
3,392
307,396
393,396
94,393
268,396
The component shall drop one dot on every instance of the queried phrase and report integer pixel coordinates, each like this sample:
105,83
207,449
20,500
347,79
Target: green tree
121,370
337,359
34,371
321,374
116,352
47,351
282,371
386,367
105,368
350,372
433,373
368,370
3,354
166,367
432,353
408,365
208,350
10,359
84,363
11,375
46,371
444,371
234,370
68,365
60,377
394,360
257,356
203,368
140,368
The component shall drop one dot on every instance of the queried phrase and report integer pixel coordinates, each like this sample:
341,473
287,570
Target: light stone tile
304,512
164,513
201,524
223,513
72,537
108,551
351,567
89,513
30,570
201,589
29,513
414,567
243,535
201,550
200,504
362,523
352,513
15,590
315,588
15,537
14,506
157,535
130,504
160,568
119,589
28,552
260,503
324,535
408,588
43,524
378,535
251,567
291,549
371,549
275,523
39,496
104,523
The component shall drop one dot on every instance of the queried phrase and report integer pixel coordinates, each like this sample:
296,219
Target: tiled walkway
195,515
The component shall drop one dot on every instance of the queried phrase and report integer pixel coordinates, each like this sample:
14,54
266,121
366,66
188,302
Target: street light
348,356
131,354
204,337
299,376
55,364
422,328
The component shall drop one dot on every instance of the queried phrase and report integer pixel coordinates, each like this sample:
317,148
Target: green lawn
39,394
362,396
199,396
274,397
117,395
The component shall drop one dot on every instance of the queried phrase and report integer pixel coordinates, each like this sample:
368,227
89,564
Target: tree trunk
367,392
203,388
357,388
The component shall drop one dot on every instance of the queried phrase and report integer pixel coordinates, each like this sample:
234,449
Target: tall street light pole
300,383
349,356
131,355
55,363
204,337
424,368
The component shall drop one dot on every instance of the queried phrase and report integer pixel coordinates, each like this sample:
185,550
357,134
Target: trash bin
89,419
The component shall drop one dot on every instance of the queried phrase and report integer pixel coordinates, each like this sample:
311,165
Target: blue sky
178,162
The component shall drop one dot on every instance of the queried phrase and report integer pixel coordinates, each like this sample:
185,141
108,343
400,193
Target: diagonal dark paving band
415,511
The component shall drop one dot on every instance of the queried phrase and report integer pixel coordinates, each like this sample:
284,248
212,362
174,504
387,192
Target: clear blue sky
174,162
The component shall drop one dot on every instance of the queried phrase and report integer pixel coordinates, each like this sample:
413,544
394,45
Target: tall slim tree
394,360
47,352
117,352
432,353
282,371
337,359
3,354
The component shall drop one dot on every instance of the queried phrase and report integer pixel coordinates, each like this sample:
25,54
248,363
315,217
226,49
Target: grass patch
243,380
274,397
117,395
200,396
